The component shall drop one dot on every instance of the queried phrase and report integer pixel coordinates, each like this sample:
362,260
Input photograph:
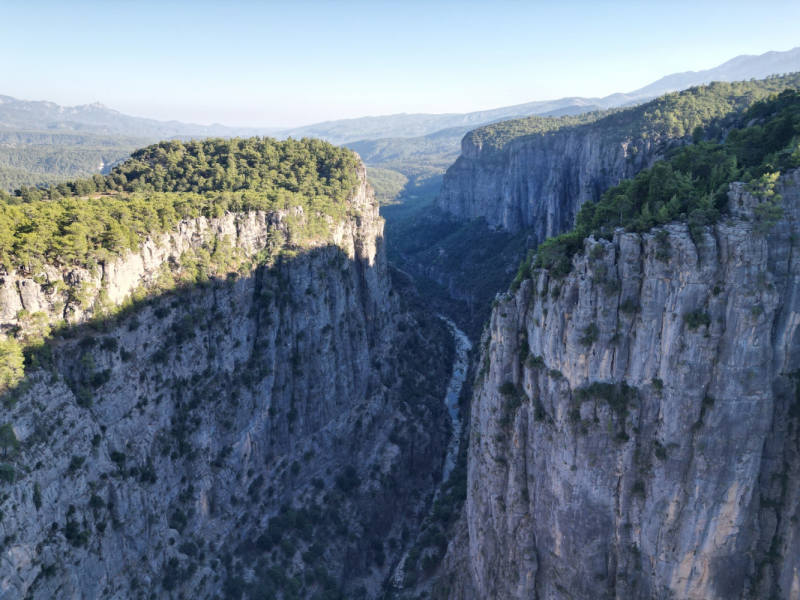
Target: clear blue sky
298,62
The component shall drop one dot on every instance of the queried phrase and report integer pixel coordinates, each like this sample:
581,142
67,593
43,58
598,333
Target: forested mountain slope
210,385
536,173
31,158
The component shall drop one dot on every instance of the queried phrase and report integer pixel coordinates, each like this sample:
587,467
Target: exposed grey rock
194,419
540,181
686,487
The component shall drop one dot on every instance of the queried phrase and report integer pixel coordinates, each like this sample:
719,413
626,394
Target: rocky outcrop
635,428
248,434
540,181
75,294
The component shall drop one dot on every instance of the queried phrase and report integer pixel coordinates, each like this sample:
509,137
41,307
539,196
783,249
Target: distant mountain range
742,67
99,119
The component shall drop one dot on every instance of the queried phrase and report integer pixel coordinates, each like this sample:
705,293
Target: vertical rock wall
156,453
541,181
634,431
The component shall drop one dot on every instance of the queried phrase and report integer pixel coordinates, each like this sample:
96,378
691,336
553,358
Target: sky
281,64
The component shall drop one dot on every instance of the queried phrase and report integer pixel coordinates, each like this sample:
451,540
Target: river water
460,363
463,346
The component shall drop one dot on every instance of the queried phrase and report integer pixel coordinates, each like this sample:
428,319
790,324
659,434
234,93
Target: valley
545,351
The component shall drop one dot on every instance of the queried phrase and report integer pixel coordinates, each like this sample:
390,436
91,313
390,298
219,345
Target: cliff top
90,220
691,184
672,115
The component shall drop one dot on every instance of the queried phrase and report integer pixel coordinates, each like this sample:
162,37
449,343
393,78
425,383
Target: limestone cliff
540,181
248,434
535,173
634,430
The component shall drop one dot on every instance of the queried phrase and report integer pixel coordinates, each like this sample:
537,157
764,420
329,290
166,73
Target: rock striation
250,433
540,181
635,424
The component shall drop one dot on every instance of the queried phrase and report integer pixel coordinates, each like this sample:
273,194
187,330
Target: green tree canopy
8,439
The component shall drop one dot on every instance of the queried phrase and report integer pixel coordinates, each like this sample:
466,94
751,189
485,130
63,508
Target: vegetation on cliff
91,220
691,183
492,138
672,115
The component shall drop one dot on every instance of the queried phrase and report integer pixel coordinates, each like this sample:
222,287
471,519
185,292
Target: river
463,346
460,364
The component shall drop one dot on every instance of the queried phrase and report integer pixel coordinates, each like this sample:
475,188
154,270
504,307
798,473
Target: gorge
222,378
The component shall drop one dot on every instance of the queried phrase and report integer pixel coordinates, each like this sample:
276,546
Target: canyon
253,402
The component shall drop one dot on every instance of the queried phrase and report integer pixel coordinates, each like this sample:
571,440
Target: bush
628,306
12,363
616,396
74,535
660,452
178,520
638,488
8,438
76,463
348,479
109,344
590,335
8,474
507,389
697,318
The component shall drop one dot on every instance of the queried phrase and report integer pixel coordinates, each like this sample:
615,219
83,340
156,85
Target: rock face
540,182
635,428
77,294
212,437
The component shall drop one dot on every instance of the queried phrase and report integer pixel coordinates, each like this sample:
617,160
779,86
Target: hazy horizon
291,65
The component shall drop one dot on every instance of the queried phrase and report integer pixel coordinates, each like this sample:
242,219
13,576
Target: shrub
628,306
110,344
663,247
348,479
118,458
507,389
638,488
616,396
8,438
660,451
178,520
536,362
696,318
12,363
74,535
591,334
76,463
8,474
